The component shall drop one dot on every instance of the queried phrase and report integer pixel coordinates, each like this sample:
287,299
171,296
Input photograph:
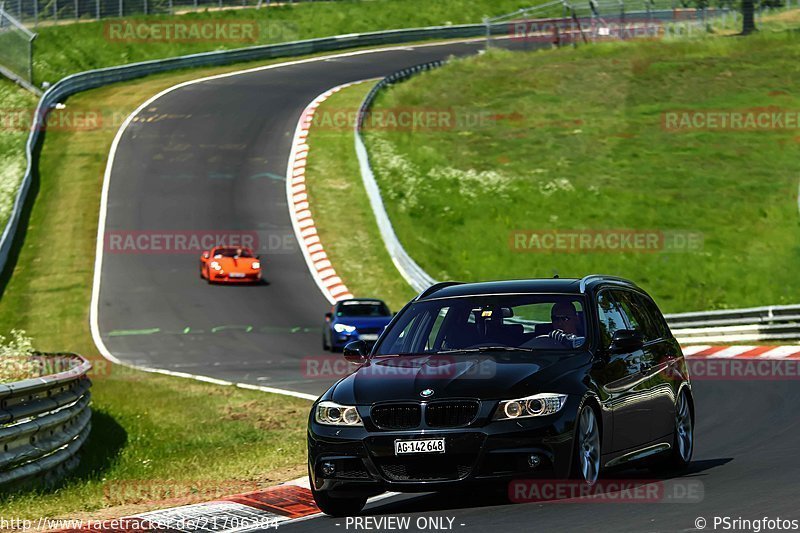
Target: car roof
534,285
360,300
233,248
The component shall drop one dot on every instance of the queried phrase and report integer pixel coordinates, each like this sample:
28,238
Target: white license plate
368,337
237,275
402,447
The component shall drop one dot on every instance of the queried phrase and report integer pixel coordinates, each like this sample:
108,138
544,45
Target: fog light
534,461
328,469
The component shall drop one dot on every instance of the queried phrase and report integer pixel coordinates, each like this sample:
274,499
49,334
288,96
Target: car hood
234,264
364,321
484,376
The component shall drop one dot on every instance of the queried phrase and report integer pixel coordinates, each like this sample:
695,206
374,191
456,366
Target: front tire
336,507
587,447
325,344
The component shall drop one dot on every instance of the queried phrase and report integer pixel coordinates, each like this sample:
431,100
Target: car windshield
509,322
232,252
357,308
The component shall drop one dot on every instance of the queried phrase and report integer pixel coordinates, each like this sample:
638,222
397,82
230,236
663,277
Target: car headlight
256,265
537,405
215,265
333,414
343,328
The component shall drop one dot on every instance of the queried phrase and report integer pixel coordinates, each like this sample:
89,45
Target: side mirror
206,255
328,317
626,340
355,352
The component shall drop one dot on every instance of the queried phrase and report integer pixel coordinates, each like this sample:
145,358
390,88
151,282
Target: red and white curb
263,509
331,285
742,352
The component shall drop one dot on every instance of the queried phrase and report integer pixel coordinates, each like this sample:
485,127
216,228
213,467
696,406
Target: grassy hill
580,142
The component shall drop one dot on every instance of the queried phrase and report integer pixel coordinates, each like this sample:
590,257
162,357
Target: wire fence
35,12
560,22
16,49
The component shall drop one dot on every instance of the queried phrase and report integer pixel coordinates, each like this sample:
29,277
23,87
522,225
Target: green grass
154,437
64,49
580,146
147,429
342,211
17,109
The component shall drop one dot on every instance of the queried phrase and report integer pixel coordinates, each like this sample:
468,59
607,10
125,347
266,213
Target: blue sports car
355,319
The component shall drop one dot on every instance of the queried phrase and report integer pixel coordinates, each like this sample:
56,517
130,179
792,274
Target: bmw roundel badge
427,393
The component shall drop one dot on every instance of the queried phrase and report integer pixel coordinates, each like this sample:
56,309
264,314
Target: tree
748,17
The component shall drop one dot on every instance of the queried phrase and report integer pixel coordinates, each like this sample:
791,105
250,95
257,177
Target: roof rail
586,279
436,286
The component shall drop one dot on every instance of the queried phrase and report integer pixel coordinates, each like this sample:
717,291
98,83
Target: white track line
101,225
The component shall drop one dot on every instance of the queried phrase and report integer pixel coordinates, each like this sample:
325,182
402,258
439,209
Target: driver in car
565,325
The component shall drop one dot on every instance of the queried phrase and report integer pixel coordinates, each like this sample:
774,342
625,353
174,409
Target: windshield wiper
481,349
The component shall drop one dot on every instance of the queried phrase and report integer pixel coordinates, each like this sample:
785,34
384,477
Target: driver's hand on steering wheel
560,337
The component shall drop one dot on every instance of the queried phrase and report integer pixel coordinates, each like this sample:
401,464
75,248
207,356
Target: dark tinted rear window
363,309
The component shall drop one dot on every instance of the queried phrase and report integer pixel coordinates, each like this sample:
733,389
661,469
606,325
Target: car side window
658,320
632,304
610,316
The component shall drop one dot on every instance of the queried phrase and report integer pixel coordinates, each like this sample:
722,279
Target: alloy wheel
589,446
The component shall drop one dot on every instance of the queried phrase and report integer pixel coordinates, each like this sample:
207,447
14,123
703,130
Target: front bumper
365,463
340,340
224,277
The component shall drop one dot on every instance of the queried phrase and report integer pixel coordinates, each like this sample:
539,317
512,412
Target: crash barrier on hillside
92,79
408,268
34,12
44,421
754,324
569,21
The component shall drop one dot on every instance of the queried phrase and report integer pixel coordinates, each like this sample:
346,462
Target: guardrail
753,324
92,79
44,421
405,264
408,268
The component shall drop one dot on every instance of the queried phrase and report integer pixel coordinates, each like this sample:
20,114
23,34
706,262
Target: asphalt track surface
746,440
211,156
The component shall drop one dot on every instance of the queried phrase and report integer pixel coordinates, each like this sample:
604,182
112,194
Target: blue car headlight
343,328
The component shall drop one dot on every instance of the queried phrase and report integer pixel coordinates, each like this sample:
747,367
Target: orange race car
224,264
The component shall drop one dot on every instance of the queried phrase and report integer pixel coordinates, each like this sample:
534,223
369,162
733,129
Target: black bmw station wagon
541,378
